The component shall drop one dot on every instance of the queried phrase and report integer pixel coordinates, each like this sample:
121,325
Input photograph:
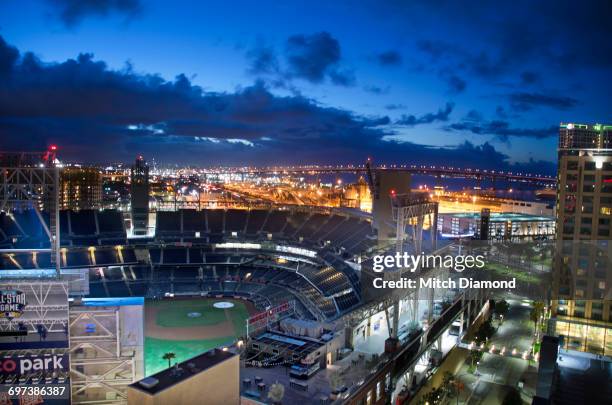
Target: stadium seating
178,261
110,222
277,220
312,226
194,221
168,222
235,220
215,221
82,223
256,221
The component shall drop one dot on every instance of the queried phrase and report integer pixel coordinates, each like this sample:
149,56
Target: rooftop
302,344
596,127
181,371
505,216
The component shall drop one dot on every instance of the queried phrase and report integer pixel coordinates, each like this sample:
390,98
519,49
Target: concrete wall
384,183
218,385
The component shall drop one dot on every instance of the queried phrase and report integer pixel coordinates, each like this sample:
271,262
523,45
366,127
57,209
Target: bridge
436,171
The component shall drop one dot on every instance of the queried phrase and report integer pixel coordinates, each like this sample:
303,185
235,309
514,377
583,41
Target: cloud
456,84
377,90
8,57
502,130
453,57
501,112
499,45
315,58
72,12
522,101
528,77
102,115
439,53
441,115
389,58
95,108
392,107
263,60
345,77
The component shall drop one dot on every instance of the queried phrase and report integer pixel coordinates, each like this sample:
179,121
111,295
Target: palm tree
169,356
276,393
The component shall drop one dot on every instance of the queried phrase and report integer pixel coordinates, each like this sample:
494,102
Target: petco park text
17,365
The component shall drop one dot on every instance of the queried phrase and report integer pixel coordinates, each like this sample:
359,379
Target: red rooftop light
53,147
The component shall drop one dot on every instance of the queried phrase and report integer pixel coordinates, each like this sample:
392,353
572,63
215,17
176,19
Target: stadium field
188,327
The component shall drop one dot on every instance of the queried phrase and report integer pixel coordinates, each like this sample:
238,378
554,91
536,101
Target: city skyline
328,84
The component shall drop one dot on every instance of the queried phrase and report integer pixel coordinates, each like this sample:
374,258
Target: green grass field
184,349
173,315
511,272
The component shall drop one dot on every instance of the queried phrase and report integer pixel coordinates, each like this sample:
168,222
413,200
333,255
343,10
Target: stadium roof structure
505,217
299,346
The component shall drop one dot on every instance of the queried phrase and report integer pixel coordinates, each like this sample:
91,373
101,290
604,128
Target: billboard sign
33,315
22,365
12,303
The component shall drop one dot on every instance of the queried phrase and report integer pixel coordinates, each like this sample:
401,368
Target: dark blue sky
464,83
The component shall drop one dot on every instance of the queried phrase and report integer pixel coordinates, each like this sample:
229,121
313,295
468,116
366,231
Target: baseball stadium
250,259
278,285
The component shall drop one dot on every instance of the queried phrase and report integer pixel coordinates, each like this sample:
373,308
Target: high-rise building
140,196
582,273
80,188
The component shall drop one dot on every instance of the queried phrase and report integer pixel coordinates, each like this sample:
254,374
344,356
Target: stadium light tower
395,207
412,209
31,180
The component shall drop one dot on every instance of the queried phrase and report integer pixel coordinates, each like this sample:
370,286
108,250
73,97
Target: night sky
462,83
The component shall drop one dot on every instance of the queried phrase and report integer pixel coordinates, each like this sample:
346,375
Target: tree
536,313
475,356
485,332
501,308
434,396
513,397
448,384
529,254
276,393
169,356
335,380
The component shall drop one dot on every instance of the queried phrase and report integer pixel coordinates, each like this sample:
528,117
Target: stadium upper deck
268,256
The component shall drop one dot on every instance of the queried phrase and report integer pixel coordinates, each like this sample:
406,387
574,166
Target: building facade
80,188
209,378
582,270
140,196
106,348
501,226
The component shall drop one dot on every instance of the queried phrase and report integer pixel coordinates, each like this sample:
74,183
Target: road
496,375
